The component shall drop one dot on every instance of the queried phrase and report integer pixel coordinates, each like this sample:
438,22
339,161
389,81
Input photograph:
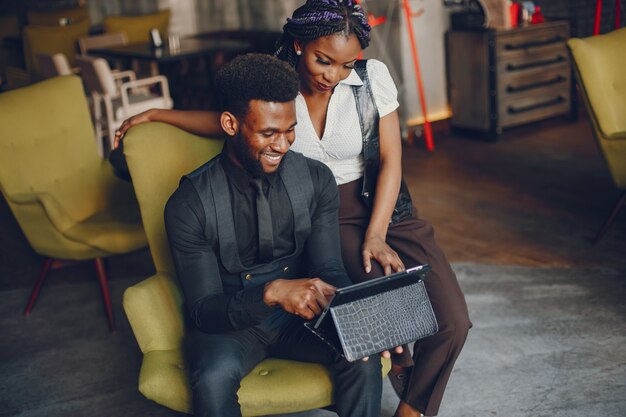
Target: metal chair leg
104,286
43,273
620,203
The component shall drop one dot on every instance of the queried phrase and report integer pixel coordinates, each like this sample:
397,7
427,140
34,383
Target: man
255,241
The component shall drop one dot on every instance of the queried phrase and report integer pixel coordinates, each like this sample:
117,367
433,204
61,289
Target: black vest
368,118
212,186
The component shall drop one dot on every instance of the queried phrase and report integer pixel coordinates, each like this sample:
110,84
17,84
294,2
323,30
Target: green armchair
51,40
66,200
599,65
158,155
137,28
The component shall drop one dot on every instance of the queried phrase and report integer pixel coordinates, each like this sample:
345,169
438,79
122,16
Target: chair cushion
275,386
117,230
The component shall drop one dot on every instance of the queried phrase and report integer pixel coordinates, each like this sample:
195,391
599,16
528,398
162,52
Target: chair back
97,75
51,40
46,148
137,28
101,41
53,65
158,155
57,17
599,64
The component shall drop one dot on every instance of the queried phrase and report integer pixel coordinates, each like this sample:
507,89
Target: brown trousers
414,241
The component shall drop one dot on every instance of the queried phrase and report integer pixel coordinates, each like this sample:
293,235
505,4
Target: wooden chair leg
43,273
104,286
620,203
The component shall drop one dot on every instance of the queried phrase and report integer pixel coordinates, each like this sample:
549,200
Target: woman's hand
130,122
376,248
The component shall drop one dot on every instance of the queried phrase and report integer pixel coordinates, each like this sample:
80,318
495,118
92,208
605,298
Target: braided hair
318,18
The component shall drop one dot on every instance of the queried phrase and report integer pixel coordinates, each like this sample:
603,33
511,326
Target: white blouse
341,146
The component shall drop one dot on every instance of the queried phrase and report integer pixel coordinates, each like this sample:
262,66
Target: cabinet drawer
530,39
533,80
545,58
533,106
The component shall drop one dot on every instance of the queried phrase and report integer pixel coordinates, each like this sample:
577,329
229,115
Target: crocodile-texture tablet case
383,321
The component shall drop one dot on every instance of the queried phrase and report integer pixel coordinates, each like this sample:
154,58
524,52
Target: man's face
264,136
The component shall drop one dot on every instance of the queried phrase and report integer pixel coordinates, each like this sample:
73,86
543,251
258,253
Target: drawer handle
534,44
512,67
518,110
516,89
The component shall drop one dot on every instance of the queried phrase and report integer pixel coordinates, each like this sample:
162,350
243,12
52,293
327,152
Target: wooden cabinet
503,78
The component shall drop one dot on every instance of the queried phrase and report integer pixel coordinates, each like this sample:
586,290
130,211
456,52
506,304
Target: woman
380,230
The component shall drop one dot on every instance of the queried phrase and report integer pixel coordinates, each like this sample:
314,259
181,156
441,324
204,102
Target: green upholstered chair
137,28
67,201
600,67
158,155
51,40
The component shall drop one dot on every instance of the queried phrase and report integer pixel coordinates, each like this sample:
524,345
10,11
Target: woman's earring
298,52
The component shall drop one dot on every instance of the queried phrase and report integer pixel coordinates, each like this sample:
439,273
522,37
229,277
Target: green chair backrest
51,40
137,28
158,155
601,65
47,144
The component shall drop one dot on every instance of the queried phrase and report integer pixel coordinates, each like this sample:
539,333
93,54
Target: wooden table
189,48
189,81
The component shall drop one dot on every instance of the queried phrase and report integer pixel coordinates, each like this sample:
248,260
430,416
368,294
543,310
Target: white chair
54,65
105,40
101,41
114,102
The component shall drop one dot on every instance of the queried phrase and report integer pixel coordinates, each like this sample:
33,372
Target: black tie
264,220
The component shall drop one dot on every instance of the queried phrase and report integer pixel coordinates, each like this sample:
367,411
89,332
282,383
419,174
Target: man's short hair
255,77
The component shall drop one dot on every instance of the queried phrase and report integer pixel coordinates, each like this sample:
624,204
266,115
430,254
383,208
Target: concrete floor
545,342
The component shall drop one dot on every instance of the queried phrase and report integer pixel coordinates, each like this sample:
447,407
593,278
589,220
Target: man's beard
247,160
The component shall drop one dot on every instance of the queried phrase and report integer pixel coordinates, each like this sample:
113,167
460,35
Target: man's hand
386,353
376,248
304,297
130,122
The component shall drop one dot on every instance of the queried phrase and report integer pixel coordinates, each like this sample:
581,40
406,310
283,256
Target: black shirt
243,198
215,298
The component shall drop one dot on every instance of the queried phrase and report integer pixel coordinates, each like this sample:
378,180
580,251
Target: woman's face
326,61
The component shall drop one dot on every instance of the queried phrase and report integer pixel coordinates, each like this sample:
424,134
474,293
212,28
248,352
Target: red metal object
620,203
375,21
598,19
50,263
43,273
428,134
104,286
596,26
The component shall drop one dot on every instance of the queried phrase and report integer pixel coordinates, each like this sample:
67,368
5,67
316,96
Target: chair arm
55,212
155,312
118,75
157,79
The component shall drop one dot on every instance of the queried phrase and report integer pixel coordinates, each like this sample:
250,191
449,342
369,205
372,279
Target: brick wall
581,14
